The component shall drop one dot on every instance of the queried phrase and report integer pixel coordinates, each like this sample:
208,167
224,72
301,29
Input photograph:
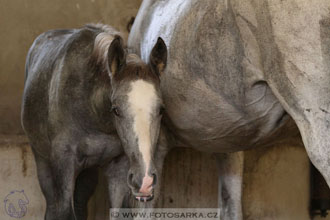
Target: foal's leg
116,175
230,185
86,183
56,179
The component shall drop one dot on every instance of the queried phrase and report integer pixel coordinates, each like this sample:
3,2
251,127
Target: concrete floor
17,173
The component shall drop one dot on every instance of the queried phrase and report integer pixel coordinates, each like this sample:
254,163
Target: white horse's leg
230,185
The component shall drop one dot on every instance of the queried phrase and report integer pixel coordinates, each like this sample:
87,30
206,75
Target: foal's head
137,106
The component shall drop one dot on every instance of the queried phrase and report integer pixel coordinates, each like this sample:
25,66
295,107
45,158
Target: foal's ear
158,56
116,55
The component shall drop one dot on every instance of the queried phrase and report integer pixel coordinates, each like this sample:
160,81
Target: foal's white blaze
142,101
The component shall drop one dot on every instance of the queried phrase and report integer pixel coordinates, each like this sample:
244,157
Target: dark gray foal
86,101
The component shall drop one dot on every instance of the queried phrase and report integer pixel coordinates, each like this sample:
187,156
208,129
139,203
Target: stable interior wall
21,21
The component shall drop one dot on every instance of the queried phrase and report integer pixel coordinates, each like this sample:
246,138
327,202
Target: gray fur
66,113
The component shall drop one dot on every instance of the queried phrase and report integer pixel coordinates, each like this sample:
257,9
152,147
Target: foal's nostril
130,179
132,182
154,182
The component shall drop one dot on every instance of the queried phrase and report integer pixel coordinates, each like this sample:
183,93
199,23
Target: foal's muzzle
144,198
143,192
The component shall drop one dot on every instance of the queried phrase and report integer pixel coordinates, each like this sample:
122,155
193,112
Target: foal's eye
115,110
161,110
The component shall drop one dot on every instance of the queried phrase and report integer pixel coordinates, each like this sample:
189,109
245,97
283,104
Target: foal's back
61,81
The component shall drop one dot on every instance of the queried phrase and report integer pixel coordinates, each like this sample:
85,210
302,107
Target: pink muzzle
146,187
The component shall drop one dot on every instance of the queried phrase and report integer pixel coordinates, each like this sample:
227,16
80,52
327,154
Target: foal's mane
135,67
102,42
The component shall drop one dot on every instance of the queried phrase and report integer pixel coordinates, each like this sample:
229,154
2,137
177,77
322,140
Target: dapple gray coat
78,115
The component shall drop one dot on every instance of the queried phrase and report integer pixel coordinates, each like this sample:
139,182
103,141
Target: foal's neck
101,105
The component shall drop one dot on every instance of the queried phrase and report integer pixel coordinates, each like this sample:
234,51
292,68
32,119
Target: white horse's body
235,68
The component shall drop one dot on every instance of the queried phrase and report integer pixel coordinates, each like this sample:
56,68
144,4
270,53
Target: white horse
237,70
